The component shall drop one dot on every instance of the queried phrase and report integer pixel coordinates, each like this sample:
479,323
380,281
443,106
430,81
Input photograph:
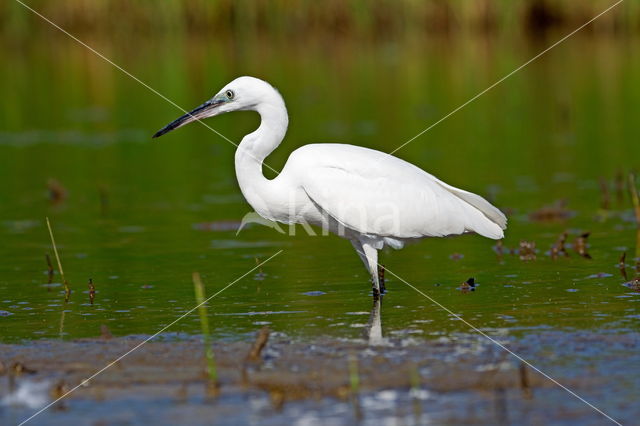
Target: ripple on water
259,313
599,275
313,293
227,244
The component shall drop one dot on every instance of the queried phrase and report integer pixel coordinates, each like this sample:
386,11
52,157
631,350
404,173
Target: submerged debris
18,369
623,266
634,284
258,345
524,381
552,213
57,192
59,390
92,291
527,250
469,285
559,248
580,245
500,249
277,399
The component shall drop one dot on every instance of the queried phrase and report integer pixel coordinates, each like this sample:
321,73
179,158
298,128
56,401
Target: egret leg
358,246
383,287
372,259
369,257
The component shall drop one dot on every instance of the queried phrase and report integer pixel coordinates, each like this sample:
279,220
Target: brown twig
524,381
49,271
580,245
49,265
92,291
258,345
623,266
560,248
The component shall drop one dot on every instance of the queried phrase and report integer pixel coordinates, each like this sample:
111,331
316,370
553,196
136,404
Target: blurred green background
376,19
138,216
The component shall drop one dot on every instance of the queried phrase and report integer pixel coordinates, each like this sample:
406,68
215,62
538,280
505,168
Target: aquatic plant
204,325
67,290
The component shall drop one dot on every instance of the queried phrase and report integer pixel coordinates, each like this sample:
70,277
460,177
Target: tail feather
489,210
484,226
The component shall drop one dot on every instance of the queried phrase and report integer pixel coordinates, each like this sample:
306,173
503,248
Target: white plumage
369,197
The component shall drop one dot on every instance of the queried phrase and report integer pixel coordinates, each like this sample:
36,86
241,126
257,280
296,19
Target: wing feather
378,194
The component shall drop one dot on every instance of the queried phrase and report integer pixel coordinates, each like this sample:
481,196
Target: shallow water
462,378
138,217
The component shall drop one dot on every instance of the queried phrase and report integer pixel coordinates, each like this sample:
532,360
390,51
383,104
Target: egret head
243,93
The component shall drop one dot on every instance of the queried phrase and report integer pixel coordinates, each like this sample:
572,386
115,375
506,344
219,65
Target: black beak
202,111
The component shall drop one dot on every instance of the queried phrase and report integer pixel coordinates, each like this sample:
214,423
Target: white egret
371,198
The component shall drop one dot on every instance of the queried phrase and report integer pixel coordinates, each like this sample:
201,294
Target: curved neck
254,148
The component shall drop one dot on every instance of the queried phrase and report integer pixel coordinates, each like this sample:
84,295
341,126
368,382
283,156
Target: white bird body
367,196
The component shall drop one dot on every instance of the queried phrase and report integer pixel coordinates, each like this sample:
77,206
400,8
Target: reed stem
204,325
635,199
354,376
55,251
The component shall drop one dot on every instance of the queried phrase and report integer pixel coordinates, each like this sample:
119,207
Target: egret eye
229,94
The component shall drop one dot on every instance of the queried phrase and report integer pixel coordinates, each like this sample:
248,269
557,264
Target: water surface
139,216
